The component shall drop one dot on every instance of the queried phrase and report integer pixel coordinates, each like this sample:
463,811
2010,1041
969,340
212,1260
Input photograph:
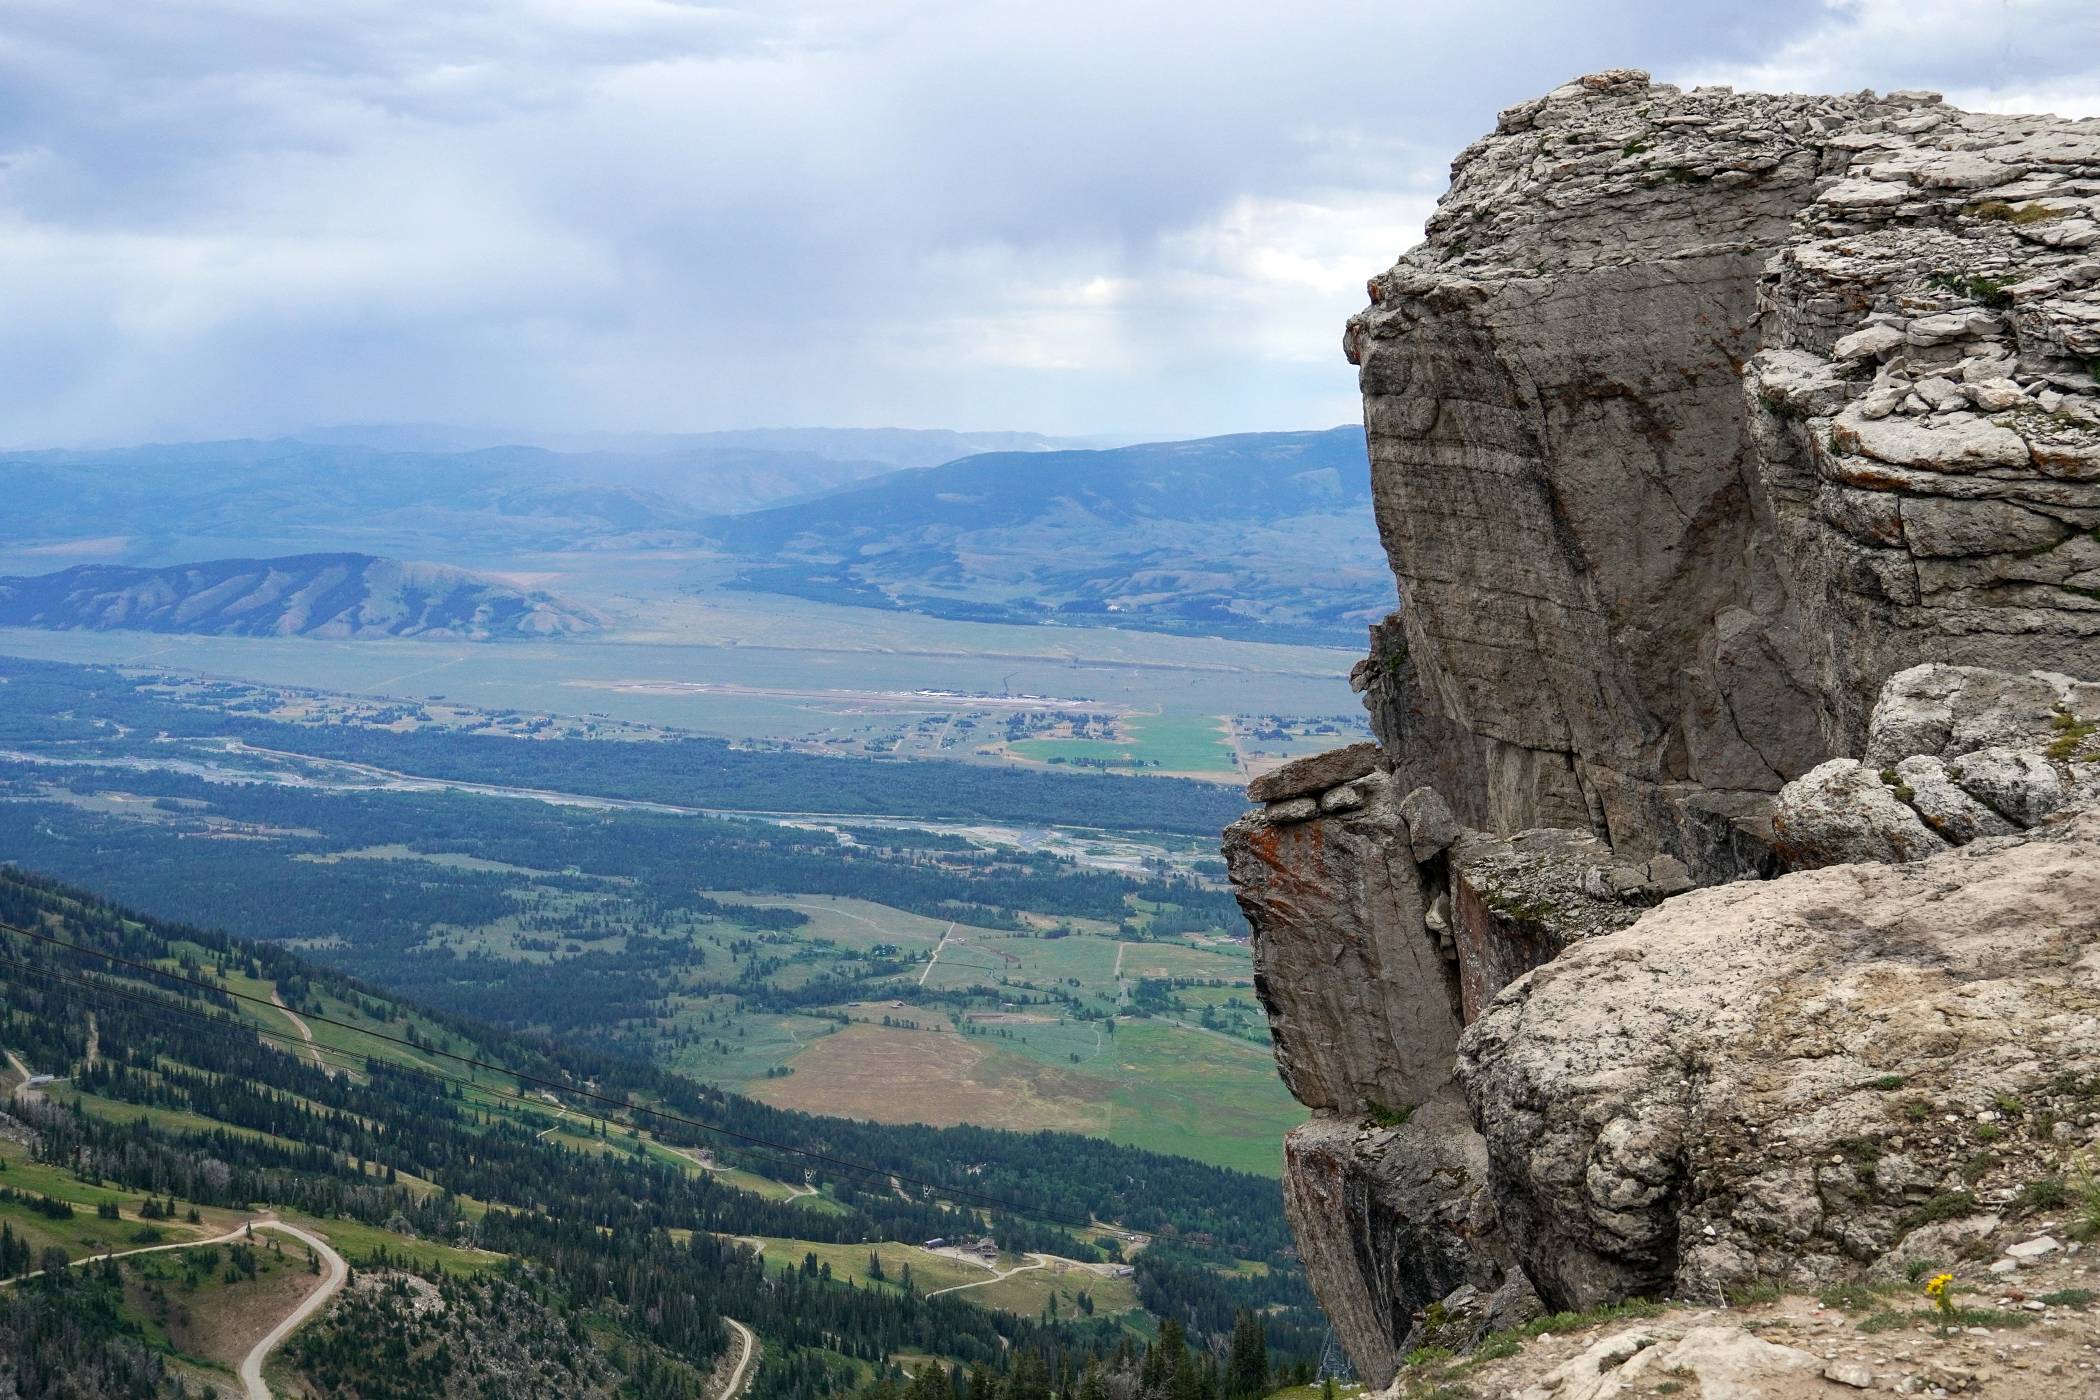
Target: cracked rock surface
1767,1080
1700,413
1738,460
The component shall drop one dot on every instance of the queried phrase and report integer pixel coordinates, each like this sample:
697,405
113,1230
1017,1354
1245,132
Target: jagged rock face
1380,927
1363,1007
1696,417
1655,554
1723,1092
1391,1218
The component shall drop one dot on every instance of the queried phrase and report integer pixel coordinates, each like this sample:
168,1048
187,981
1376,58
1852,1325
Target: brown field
938,1078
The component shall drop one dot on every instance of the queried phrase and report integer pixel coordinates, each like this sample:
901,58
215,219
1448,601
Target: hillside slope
230,1082
303,595
1261,534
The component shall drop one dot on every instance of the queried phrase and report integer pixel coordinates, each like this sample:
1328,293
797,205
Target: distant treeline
49,701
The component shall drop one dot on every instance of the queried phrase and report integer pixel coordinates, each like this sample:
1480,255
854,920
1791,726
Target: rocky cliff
1697,418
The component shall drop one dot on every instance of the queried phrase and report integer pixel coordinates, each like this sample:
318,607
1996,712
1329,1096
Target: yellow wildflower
1936,1287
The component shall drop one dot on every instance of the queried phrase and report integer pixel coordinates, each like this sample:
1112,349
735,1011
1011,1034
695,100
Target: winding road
252,1363
338,1271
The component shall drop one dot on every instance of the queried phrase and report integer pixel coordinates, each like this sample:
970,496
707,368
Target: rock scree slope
1726,865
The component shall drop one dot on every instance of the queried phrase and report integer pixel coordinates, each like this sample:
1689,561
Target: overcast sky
244,216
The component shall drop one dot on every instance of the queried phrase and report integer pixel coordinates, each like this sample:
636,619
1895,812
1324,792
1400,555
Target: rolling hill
1259,535
307,595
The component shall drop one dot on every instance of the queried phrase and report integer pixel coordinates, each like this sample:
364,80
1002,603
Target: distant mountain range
306,595
1260,534
891,448
428,490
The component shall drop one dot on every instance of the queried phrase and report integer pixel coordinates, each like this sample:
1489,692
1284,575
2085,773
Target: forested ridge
594,1227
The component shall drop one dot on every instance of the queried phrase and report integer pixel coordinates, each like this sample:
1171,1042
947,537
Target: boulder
1841,811
1968,753
1724,1362
1699,1101
1315,773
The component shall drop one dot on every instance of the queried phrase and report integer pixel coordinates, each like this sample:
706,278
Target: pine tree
1030,1379
930,1384
1247,1369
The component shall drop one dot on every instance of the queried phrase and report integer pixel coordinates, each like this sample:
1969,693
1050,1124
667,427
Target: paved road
746,1362
252,1364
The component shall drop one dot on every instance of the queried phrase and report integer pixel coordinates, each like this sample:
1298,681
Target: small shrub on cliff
2071,734
1390,1118
1750,1295
1851,1298
1948,1205
2086,1224
1998,211
1631,1309
2050,1193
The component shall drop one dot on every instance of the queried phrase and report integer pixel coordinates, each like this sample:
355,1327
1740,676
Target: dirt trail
233,1236
306,1032
745,1362
927,971
338,1271
1042,1261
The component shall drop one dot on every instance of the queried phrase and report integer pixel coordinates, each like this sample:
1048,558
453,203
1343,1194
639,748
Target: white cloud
1991,55
222,216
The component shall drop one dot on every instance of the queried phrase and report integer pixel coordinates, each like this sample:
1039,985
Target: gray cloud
1084,217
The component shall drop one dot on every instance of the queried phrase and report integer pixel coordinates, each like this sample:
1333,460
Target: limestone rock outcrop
1696,418
1767,1080
1395,1217
1955,753
1700,413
